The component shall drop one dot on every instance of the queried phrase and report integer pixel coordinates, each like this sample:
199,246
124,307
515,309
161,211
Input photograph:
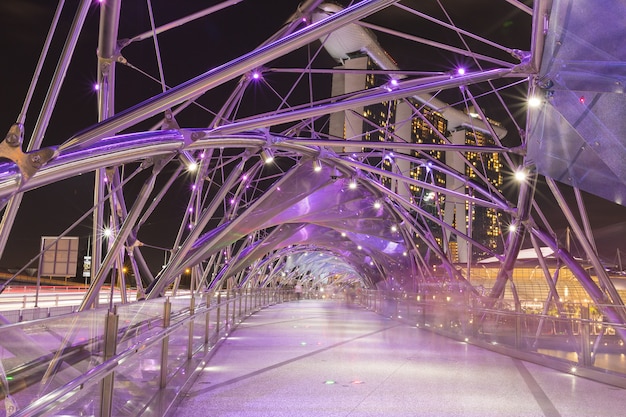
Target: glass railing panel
576,335
84,401
137,382
177,351
138,321
42,355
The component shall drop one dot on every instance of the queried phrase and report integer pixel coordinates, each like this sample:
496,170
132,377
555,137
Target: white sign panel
60,258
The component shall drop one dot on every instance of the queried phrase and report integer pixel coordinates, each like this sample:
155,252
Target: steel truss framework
323,208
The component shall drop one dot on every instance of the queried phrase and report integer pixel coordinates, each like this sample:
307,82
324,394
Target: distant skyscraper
375,123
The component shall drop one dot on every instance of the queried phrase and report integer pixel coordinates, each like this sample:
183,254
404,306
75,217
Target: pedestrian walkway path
325,358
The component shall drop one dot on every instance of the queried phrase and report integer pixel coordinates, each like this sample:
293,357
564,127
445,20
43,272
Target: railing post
218,314
421,311
518,326
227,316
110,346
192,309
585,326
240,296
167,316
245,305
407,302
207,324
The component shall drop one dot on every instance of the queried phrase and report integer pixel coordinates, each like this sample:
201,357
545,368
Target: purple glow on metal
96,87
256,75
202,155
394,82
232,201
190,209
460,71
193,187
245,177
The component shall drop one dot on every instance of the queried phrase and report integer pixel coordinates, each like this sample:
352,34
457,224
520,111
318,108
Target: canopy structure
376,143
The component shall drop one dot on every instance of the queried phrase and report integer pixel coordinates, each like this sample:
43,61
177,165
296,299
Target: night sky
206,43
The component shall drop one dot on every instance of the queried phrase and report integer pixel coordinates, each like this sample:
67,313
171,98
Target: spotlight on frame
267,156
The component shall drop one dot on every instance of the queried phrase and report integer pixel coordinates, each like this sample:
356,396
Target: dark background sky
213,41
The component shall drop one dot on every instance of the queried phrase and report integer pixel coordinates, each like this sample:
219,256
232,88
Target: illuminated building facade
430,127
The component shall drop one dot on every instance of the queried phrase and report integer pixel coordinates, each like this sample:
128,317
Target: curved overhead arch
384,135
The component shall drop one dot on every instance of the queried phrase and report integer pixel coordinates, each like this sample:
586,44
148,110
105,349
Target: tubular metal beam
224,73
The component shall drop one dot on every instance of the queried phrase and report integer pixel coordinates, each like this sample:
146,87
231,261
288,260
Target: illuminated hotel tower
358,52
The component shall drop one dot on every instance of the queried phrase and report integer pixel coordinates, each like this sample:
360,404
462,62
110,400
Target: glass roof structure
384,144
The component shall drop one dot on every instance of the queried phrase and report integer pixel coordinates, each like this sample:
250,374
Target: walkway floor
324,358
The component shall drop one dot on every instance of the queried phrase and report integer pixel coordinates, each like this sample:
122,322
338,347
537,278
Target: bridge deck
325,358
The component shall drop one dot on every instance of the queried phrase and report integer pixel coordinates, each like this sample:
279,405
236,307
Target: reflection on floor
325,358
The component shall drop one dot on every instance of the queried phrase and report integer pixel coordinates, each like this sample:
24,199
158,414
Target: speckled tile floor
324,358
